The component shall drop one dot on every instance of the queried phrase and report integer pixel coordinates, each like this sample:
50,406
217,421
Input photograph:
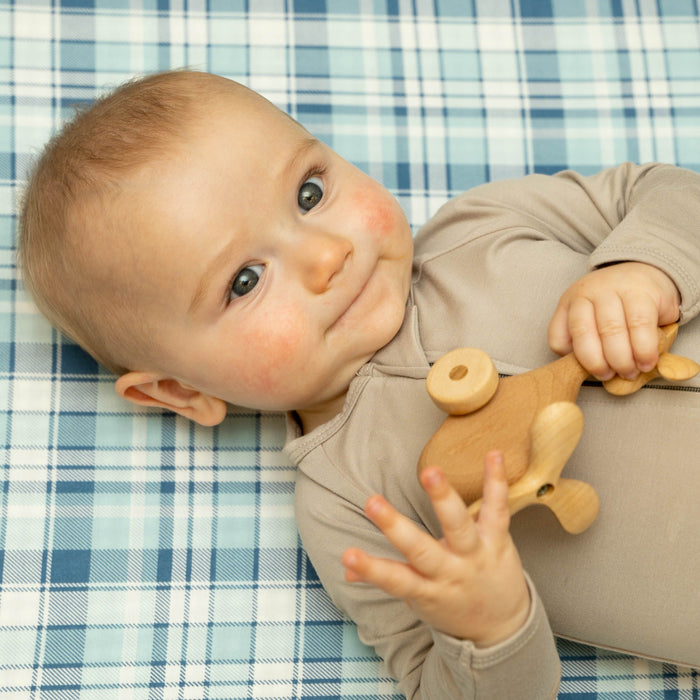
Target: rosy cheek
275,348
378,209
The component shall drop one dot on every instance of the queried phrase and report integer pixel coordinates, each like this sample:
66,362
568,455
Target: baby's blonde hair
66,205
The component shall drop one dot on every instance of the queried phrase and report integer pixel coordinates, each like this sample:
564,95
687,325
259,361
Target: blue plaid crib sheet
144,557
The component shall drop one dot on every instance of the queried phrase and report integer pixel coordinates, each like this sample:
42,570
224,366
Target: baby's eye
310,194
245,280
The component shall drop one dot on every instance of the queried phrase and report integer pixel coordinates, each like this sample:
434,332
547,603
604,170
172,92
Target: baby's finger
615,338
494,516
392,577
585,339
458,527
643,321
423,552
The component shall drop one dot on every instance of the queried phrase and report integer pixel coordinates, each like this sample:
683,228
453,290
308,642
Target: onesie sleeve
492,264
644,213
527,660
428,665
655,218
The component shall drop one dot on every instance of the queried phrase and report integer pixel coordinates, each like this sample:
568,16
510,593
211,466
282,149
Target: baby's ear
147,389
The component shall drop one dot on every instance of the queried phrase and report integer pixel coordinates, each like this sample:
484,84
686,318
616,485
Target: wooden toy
532,418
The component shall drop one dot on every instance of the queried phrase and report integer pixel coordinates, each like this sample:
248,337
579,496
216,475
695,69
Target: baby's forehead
233,131
239,101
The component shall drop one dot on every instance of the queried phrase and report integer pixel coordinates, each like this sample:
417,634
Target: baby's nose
325,257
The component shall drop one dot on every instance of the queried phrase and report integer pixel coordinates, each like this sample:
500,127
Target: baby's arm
609,318
470,584
427,663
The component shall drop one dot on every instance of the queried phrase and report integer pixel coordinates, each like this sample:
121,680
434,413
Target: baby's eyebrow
202,290
298,154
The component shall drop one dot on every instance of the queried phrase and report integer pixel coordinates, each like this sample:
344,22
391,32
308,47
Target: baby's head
201,244
72,214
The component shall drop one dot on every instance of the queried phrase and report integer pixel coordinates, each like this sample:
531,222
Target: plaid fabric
144,557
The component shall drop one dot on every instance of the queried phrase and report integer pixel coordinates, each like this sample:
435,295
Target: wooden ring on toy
462,381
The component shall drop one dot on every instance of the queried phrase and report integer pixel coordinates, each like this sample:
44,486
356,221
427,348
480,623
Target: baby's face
269,268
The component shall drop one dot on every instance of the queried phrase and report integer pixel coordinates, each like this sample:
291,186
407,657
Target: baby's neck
312,418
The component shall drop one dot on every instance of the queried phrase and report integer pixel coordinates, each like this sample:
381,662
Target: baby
202,245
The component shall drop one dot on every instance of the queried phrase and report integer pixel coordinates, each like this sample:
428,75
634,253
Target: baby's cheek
380,212
274,349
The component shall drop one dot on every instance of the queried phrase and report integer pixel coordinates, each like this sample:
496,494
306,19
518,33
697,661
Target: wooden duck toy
532,418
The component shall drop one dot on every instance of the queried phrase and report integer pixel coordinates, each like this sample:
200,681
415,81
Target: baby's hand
610,316
471,583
